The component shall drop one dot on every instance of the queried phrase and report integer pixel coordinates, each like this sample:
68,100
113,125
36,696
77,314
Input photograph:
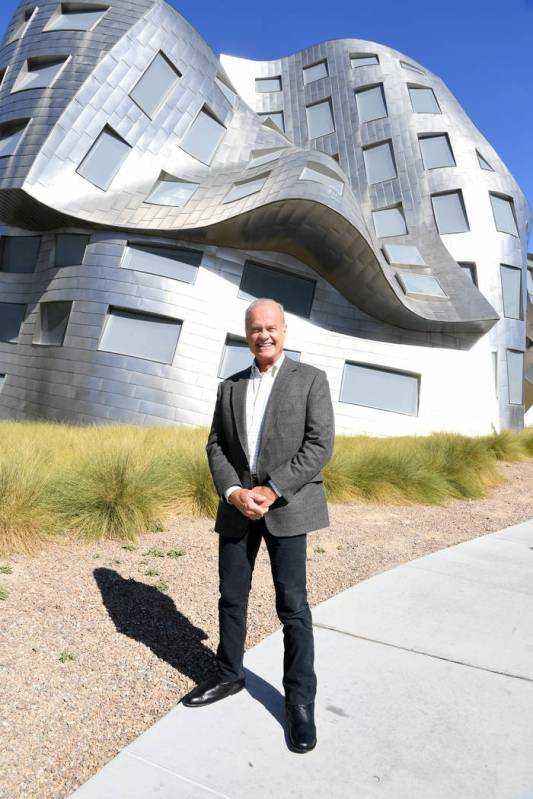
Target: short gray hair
262,301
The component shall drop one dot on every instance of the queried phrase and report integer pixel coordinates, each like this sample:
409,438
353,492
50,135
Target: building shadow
147,615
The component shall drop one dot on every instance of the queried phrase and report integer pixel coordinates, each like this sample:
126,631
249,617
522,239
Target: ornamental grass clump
25,521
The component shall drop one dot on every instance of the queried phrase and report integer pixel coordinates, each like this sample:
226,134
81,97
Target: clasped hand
253,503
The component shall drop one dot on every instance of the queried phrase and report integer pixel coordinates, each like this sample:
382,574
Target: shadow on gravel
149,616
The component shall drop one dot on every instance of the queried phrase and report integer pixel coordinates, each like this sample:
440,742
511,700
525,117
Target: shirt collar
272,370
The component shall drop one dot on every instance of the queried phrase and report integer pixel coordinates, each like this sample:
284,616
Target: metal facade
306,207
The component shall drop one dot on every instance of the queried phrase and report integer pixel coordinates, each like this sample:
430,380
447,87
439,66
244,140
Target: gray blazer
296,443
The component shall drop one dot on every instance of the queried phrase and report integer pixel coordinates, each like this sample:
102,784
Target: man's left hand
267,495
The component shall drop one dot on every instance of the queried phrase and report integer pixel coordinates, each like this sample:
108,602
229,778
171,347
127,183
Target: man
272,433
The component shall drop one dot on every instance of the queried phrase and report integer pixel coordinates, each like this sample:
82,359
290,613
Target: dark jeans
287,561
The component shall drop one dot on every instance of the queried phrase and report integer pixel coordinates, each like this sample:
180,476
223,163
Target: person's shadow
145,614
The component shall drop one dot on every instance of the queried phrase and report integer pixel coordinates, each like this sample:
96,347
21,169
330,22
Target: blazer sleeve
223,473
317,445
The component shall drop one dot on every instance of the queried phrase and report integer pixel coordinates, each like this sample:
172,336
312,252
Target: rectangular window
3,73
483,163
320,119
367,60
295,293
421,287
321,174
53,319
155,84
515,376
403,254
226,90
244,188
76,17
503,210
203,137
11,318
379,162
104,159
495,370
436,151
39,72
423,100
383,389
236,356
530,282
511,277
70,249
268,84
370,103
389,222
449,212
276,117
11,134
175,193
470,270
315,72
406,65
177,263
2,381
19,253
140,335
265,156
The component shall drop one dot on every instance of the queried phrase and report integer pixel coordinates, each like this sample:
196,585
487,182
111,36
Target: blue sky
481,49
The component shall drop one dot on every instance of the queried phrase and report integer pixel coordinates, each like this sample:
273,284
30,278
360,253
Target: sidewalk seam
179,776
420,652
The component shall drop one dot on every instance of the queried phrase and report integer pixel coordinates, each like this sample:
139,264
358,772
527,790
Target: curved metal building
149,189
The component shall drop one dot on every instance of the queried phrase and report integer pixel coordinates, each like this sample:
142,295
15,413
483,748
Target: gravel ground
93,653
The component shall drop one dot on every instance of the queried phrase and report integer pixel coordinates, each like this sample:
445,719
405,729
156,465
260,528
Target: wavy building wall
149,189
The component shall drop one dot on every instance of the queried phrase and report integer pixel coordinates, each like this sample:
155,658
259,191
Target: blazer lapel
238,402
287,368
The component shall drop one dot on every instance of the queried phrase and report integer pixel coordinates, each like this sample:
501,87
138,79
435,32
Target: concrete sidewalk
425,692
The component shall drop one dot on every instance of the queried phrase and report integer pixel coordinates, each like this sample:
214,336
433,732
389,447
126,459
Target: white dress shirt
258,391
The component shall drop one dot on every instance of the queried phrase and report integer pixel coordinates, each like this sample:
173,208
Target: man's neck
267,366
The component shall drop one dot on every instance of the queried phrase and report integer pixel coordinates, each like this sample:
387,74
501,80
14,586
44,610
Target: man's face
265,333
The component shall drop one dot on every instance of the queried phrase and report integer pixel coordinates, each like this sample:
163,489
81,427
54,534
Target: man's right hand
249,503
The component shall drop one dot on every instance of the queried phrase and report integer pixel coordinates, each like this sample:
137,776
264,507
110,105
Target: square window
70,249
155,84
53,318
268,84
423,100
39,72
315,72
321,174
276,117
294,292
172,192
370,103
515,376
203,137
19,253
421,286
11,318
244,188
436,151
504,218
449,212
226,90
379,162
403,254
389,222
177,263
470,270
367,60
511,277
11,134
76,17
104,159
140,335
380,388
320,119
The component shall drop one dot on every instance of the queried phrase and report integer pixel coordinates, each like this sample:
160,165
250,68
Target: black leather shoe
301,727
210,691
